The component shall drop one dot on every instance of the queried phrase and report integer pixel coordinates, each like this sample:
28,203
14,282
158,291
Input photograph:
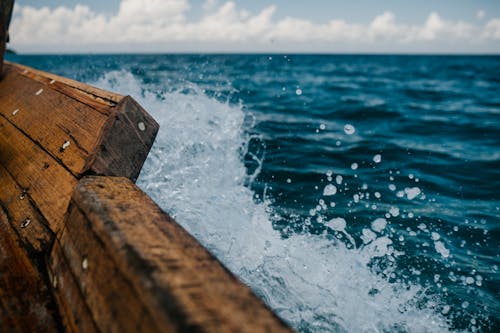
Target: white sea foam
195,172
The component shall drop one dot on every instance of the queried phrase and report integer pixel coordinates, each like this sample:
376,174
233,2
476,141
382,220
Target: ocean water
351,193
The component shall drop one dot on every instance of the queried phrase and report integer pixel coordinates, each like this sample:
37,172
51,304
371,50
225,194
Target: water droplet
322,126
288,180
394,211
367,236
337,224
298,91
446,309
354,166
379,224
412,193
439,246
349,129
329,190
377,158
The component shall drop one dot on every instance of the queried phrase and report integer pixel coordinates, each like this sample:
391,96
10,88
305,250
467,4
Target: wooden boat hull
82,249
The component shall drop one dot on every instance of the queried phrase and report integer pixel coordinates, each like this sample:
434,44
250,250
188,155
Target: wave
317,283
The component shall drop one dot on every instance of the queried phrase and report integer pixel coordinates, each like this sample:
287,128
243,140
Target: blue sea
352,193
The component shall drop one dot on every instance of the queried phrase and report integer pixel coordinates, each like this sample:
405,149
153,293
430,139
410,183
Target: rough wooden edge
131,127
101,96
75,314
127,256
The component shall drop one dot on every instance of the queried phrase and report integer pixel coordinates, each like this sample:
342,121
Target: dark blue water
392,162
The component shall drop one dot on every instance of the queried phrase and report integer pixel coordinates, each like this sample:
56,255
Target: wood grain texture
126,143
53,131
31,227
75,314
25,302
140,271
51,119
46,182
81,91
84,128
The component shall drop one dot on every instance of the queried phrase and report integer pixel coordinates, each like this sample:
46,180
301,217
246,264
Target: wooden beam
25,302
75,313
85,129
138,270
55,130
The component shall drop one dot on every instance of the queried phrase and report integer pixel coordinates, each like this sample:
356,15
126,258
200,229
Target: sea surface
352,193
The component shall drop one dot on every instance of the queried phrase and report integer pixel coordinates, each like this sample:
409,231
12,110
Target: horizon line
279,53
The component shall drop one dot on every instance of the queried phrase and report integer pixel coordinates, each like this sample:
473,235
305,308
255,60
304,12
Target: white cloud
163,22
492,30
210,4
480,14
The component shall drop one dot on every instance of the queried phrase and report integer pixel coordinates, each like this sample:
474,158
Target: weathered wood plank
44,181
49,139
29,224
75,314
111,297
128,257
112,137
25,302
52,132
51,119
83,92
126,144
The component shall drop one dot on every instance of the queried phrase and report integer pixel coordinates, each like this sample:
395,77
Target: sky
256,26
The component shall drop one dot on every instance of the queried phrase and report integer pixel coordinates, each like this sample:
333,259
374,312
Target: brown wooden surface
25,302
32,229
74,311
140,271
44,181
53,131
132,129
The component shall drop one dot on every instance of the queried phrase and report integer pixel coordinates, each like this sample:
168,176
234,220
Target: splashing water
317,283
